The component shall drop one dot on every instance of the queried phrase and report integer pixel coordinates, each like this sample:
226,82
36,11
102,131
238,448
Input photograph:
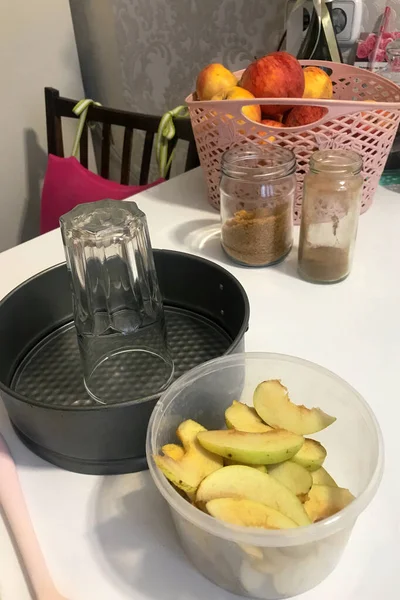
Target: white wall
37,49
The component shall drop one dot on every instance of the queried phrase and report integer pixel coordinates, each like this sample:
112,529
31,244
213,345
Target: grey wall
144,55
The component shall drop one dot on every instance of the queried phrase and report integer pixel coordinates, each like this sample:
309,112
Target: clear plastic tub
261,563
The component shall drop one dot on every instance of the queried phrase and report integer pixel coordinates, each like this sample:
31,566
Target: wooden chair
58,107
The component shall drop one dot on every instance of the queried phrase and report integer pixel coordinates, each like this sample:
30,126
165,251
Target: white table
110,538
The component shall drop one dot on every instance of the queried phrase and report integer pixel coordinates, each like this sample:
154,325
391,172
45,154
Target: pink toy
13,504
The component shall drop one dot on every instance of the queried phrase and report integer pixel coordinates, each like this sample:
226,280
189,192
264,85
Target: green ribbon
80,110
324,21
165,133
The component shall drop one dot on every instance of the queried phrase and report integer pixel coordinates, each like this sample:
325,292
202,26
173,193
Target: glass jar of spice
331,206
258,187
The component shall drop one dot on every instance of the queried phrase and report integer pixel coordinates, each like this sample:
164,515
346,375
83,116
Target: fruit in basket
196,463
295,477
322,477
273,405
249,484
304,115
270,447
214,79
276,75
252,112
311,455
317,82
272,123
325,500
244,418
248,513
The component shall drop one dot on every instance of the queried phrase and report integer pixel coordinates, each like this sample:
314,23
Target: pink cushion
67,183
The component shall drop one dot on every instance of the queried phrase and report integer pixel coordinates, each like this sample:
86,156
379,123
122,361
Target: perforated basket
349,123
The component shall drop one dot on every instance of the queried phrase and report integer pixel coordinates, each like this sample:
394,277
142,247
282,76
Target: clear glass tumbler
117,303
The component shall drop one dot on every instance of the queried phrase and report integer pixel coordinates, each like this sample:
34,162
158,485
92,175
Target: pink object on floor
13,504
67,183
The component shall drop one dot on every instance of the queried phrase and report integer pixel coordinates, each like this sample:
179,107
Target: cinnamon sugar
259,237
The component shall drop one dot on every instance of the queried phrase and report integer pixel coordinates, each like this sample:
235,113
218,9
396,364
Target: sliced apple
271,447
186,477
229,461
273,405
196,463
322,477
239,511
311,455
244,418
325,500
238,481
173,451
293,476
187,433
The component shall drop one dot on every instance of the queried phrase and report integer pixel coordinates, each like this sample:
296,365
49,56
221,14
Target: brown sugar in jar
257,193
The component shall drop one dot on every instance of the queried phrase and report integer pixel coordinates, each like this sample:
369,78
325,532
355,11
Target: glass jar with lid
331,206
258,187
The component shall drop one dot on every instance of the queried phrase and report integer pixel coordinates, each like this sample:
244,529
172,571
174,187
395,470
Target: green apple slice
325,500
229,461
244,418
238,481
271,447
293,476
322,477
186,470
311,455
272,404
184,476
247,513
173,451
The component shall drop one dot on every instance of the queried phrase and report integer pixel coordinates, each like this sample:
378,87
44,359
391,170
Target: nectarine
318,84
214,79
303,115
252,112
277,75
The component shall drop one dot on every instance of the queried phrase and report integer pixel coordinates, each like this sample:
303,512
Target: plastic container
259,563
349,123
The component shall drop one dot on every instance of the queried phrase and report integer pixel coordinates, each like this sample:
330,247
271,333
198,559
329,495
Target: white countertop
110,538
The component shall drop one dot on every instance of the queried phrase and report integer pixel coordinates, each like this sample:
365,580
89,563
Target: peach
214,79
318,84
277,75
270,123
252,112
303,115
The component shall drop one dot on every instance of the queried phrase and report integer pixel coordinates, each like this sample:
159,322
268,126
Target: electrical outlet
346,17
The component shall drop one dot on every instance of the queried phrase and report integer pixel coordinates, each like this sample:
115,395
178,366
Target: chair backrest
58,107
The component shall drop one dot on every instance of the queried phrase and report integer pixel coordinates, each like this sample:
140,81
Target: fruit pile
277,75
261,471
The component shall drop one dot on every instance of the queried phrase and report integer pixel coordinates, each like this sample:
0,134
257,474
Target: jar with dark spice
258,187
331,206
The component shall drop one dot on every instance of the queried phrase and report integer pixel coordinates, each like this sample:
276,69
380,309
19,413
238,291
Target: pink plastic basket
349,123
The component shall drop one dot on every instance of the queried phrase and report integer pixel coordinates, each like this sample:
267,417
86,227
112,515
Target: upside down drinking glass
117,303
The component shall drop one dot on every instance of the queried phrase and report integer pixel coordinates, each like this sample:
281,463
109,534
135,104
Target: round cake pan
41,383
